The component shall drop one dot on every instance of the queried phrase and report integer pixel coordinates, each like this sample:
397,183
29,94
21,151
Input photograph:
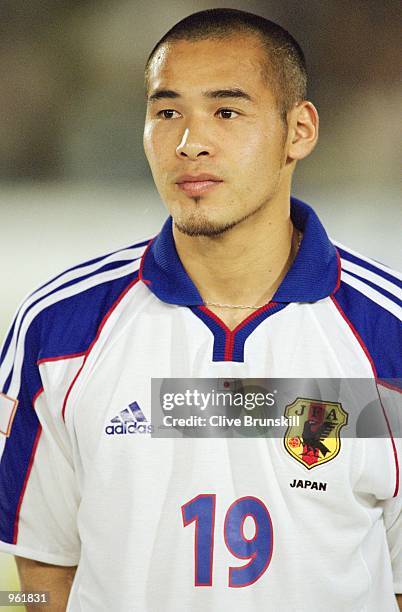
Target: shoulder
369,297
62,316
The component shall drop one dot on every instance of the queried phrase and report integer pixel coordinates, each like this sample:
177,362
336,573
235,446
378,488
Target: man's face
210,112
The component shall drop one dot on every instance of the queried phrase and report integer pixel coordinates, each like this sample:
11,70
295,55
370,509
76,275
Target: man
241,282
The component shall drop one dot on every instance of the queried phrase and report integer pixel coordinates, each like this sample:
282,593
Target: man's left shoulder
380,285
369,297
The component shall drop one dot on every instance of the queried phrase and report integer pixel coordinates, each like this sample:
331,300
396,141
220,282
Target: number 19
258,549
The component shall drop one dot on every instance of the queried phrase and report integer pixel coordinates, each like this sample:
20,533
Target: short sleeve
38,491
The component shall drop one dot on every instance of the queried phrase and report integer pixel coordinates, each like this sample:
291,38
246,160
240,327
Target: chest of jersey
147,339
229,514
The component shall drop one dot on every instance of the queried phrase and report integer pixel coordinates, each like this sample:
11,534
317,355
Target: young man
241,282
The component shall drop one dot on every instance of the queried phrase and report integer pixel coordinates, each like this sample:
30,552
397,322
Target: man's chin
203,227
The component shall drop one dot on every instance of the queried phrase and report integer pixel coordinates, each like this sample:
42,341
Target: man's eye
167,113
227,113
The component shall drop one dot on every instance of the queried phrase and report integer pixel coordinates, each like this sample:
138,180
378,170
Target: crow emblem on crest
316,437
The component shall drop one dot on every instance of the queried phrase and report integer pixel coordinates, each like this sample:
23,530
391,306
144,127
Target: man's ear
303,124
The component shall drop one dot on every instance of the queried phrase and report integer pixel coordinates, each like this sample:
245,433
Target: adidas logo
131,420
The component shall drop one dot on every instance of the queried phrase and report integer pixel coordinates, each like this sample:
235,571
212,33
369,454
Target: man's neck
244,265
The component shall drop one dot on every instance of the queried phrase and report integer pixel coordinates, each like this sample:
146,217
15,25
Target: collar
314,273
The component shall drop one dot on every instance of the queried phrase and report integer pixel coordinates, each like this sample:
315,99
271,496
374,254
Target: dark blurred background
72,101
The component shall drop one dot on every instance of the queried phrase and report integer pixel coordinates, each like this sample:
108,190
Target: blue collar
314,274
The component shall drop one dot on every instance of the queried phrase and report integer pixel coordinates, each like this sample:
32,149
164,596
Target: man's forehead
211,60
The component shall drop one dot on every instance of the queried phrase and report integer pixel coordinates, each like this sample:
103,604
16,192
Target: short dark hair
285,69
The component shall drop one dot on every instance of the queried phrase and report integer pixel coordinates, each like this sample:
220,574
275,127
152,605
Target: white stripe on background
374,295
376,264
103,277
8,360
371,276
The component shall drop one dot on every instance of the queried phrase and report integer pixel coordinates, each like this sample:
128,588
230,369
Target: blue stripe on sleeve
381,290
370,266
379,329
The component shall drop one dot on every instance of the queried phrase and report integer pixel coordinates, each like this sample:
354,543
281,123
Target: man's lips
195,185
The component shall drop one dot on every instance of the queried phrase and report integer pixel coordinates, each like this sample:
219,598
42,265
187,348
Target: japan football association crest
316,438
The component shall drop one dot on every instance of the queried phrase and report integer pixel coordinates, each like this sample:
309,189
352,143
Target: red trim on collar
230,334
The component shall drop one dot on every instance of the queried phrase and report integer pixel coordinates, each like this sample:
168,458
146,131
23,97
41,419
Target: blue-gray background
74,181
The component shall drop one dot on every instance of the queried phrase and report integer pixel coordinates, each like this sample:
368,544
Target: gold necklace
243,306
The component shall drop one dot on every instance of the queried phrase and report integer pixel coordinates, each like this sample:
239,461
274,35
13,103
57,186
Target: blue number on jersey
257,549
201,509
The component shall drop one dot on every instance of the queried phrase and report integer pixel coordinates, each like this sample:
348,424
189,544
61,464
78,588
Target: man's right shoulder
61,317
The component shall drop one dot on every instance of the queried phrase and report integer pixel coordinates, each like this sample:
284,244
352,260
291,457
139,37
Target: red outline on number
240,586
185,523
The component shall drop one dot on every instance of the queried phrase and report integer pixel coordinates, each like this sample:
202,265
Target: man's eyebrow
161,94
233,92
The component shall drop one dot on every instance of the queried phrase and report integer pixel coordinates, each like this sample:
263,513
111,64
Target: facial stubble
199,225
196,226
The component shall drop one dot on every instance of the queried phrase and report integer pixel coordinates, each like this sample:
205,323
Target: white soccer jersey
196,524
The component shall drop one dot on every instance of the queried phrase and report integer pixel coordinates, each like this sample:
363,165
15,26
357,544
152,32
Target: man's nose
192,145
